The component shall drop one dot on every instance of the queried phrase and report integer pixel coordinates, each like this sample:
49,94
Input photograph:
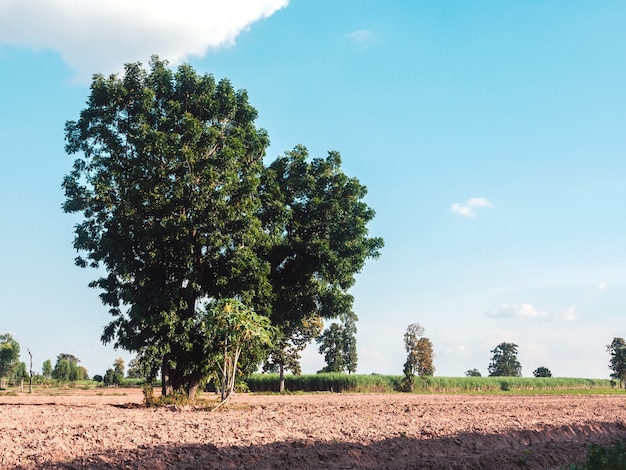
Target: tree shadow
550,448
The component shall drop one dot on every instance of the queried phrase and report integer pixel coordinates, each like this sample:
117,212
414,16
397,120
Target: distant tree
63,370
9,357
109,377
504,361
46,369
349,346
542,372
119,366
425,356
419,356
289,342
136,369
331,346
68,357
338,345
98,378
19,374
473,373
83,374
67,369
617,362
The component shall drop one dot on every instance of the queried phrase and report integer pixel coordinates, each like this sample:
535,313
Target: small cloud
452,349
466,208
568,315
528,311
602,286
363,37
515,311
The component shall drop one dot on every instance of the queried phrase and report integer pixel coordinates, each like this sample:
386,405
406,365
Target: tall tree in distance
291,340
46,369
419,356
338,345
617,363
317,221
166,178
504,361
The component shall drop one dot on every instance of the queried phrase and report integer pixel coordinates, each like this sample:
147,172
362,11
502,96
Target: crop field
390,383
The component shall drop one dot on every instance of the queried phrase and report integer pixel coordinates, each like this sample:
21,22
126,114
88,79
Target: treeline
375,383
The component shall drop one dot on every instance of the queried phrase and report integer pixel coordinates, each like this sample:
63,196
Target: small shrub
612,457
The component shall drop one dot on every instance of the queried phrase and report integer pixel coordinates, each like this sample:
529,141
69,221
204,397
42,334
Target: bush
612,457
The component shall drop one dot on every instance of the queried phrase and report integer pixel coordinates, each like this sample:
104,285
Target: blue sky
490,136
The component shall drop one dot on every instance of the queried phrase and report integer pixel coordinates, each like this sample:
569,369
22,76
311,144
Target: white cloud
515,311
363,37
466,208
528,311
602,286
102,36
568,315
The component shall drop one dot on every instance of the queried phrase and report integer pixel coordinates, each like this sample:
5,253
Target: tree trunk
281,387
166,380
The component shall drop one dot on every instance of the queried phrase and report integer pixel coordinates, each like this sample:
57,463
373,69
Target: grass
264,383
611,457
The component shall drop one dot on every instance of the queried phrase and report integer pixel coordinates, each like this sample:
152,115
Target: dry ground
105,429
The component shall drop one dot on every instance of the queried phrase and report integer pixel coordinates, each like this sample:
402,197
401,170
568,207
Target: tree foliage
473,373
289,341
67,369
233,328
179,210
136,369
542,372
504,361
9,355
317,222
338,345
166,178
419,356
46,369
617,362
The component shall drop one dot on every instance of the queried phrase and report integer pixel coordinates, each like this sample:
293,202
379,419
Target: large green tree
504,361
317,221
167,179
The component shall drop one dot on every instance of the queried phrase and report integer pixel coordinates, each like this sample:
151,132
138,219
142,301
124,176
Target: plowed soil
109,429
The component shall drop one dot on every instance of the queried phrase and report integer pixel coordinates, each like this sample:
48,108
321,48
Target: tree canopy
179,210
419,355
542,372
504,361
317,222
338,345
617,363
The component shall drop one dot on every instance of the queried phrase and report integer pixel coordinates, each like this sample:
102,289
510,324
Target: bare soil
110,429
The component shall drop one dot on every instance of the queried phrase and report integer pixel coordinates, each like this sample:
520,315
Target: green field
265,383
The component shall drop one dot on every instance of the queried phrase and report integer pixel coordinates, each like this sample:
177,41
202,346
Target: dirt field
338,431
